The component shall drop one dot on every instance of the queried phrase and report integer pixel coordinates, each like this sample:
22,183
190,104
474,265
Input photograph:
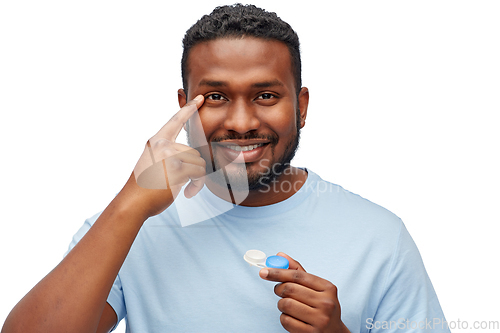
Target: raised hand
167,165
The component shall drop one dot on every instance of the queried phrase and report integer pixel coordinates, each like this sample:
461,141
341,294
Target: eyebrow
263,84
268,84
212,83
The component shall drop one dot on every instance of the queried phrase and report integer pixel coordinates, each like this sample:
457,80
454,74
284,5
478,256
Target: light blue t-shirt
185,271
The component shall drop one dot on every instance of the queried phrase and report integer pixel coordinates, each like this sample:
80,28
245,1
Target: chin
241,179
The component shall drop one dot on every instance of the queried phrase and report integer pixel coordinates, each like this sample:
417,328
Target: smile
238,152
245,148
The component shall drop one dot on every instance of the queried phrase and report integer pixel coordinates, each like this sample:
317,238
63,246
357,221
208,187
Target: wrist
140,203
344,328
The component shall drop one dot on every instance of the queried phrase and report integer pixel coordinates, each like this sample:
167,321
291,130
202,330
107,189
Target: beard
243,179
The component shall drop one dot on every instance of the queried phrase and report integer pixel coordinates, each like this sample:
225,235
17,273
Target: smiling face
250,116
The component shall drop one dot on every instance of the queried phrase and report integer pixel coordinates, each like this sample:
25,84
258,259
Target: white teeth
245,148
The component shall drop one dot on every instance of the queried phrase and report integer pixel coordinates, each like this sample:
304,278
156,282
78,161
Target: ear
303,104
181,96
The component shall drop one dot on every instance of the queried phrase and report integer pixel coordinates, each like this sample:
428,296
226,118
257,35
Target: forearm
72,296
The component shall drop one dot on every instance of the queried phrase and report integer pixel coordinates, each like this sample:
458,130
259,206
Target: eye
267,99
215,97
266,96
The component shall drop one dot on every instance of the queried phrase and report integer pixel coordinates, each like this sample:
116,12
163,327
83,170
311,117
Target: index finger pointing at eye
172,128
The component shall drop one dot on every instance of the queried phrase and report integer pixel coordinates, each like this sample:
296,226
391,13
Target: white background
403,111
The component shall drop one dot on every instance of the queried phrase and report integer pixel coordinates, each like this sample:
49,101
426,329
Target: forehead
238,60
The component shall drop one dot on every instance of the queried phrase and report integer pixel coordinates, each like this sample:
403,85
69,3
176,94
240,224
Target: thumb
193,187
293,263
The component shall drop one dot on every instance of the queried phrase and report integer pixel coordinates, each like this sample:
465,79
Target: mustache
272,138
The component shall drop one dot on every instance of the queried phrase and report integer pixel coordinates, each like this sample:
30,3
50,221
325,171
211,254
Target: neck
282,188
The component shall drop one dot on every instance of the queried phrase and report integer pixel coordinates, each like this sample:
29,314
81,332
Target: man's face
249,117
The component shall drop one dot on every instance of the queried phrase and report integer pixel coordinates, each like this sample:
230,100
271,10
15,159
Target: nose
241,117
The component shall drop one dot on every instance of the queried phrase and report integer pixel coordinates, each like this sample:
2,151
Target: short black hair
239,21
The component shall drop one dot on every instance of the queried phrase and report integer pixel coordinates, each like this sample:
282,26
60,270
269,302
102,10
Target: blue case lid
277,262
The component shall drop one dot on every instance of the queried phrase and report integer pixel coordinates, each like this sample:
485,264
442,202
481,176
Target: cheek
202,124
196,133
282,121
209,122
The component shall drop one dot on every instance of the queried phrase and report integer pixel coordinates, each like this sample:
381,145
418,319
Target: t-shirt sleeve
115,297
408,302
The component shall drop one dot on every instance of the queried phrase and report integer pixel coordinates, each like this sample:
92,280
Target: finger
298,292
179,173
293,263
172,128
294,325
194,187
298,310
168,173
183,156
289,275
184,148
160,149
160,144
163,149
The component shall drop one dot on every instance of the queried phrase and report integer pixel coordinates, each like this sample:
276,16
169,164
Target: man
166,254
